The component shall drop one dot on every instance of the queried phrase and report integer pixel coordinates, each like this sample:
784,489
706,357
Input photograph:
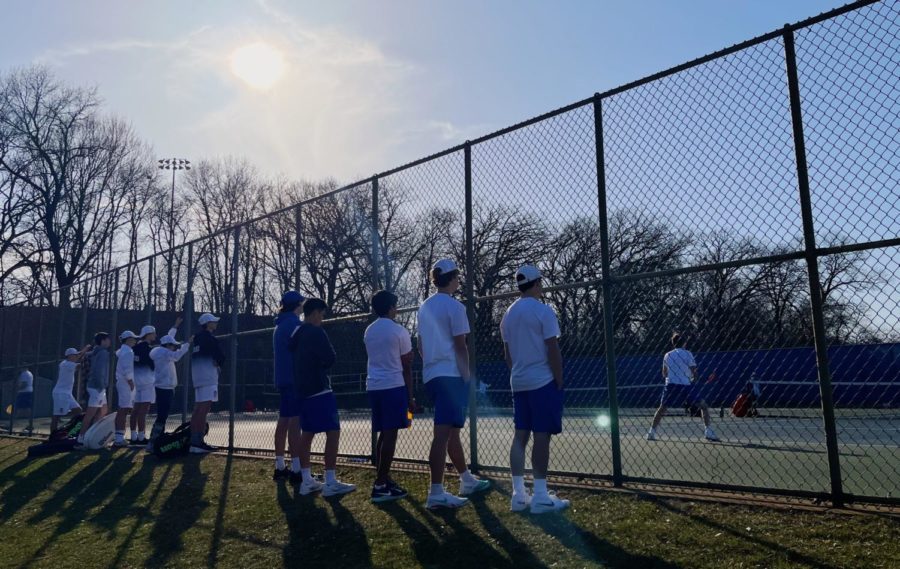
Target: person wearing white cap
144,379
165,379
530,332
207,360
443,326
124,383
64,403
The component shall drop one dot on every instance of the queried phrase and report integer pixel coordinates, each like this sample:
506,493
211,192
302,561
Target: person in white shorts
124,383
144,379
207,360
64,404
165,377
98,378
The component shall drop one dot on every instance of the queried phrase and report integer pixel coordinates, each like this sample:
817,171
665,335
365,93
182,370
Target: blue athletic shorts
389,407
539,410
24,399
678,395
450,396
319,414
290,403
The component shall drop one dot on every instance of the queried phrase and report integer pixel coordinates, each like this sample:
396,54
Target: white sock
80,439
307,475
437,489
467,477
279,462
295,465
134,435
142,436
540,486
519,485
120,436
330,477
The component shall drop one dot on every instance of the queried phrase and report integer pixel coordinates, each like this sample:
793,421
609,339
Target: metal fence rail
749,199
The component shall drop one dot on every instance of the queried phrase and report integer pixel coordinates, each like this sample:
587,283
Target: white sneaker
198,450
445,500
119,444
308,487
477,485
520,501
548,503
651,435
336,488
711,435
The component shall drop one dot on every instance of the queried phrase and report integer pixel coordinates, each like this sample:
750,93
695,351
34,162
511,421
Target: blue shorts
450,396
678,395
539,410
389,407
290,404
24,399
319,414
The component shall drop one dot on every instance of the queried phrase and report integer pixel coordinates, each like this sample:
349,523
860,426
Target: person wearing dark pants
207,360
390,388
164,357
287,429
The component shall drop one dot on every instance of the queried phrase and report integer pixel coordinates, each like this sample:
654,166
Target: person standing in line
165,379
24,392
443,326
64,403
124,384
530,331
287,430
206,364
680,371
98,377
314,355
389,384
144,379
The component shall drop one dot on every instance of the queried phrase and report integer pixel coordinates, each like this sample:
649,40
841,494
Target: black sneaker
137,442
281,474
208,447
387,493
296,478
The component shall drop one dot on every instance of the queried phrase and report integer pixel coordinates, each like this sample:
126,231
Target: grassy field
126,509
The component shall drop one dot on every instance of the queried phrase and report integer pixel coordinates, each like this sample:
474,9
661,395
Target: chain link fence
748,199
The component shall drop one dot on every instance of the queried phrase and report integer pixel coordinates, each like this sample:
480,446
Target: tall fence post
376,284
470,312
188,330
298,243
113,401
233,340
83,338
150,290
16,374
607,285
812,265
37,367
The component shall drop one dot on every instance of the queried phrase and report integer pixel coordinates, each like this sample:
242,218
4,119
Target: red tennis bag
741,405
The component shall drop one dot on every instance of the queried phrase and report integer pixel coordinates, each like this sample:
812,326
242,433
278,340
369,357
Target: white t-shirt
679,363
66,380
525,327
441,317
26,382
125,363
386,341
165,376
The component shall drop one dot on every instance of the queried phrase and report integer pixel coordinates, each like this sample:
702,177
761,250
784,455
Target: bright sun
258,64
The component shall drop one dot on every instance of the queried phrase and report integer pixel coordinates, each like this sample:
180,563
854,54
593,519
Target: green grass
125,509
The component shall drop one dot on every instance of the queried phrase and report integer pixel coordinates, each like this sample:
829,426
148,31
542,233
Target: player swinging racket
443,327
680,371
530,333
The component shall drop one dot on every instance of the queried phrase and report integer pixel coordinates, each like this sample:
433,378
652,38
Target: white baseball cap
71,352
147,330
166,340
206,318
527,274
445,266
127,334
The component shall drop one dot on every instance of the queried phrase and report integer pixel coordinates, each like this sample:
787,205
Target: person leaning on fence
144,392
165,379
25,392
313,356
390,388
124,384
207,360
443,327
530,332
64,403
98,377
288,427
680,371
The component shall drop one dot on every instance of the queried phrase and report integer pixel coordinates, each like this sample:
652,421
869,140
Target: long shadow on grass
219,528
518,551
353,540
26,488
777,548
313,541
181,510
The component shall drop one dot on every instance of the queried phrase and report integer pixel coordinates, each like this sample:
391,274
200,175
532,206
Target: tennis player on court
680,371
530,332
443,327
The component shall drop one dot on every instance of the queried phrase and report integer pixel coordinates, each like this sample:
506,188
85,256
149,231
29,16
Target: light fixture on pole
172,164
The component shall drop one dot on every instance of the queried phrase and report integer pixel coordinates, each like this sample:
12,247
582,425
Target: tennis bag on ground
741,406
51,447
70,430
176,443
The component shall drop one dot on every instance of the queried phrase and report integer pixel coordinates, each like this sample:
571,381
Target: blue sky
367,85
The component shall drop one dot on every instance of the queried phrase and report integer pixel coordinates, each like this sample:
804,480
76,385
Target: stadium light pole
173,164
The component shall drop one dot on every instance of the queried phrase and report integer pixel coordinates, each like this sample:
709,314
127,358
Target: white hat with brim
169,341
71,352
527,274
147,330
126,335
207,318
445,266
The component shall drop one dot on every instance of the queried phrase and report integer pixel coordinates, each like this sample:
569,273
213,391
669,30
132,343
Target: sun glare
259,65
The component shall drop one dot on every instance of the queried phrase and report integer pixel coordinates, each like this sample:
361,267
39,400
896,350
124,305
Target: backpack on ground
68,431
176,443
